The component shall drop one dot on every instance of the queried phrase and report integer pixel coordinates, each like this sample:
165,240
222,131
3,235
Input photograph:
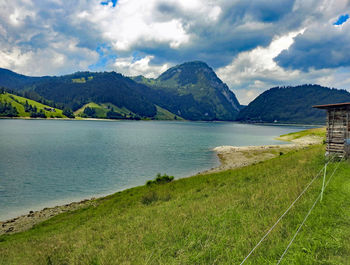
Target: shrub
149,198
36,114
90,112
68,112
160,179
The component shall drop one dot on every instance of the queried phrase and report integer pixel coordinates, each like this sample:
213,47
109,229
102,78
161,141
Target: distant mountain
81,88
78,89
193,91
292,104
12,80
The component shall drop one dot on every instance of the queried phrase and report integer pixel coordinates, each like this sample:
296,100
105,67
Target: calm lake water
48,162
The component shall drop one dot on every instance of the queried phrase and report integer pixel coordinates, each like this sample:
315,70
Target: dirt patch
25,222
239,156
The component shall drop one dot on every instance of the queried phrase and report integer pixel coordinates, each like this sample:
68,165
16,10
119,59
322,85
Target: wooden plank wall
337,130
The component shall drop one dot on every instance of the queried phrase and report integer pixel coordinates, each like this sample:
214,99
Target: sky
252,45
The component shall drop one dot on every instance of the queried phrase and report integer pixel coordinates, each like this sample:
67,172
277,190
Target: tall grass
206,219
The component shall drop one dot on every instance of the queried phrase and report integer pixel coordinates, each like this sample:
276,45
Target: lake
44,163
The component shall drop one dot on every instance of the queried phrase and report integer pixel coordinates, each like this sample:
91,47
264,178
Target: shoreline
111,120
230,157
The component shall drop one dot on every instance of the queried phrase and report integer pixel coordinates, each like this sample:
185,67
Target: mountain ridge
292,104
197,95
198,80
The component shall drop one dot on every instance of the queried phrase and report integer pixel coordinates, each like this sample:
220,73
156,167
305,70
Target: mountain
76,90
81,88
12,80
292,104
193,91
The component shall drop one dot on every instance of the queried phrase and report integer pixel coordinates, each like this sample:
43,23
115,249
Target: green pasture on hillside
19,102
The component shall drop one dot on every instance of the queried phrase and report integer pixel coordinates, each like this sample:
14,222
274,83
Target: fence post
324,179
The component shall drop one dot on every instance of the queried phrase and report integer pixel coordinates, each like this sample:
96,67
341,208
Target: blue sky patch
136,56
106,2
342,19
105,57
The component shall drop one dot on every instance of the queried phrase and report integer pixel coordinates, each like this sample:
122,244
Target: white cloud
252,72
60,58
40,37
12,58
131,23
130,67
254,69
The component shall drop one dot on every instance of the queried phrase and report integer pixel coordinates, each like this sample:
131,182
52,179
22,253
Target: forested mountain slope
292,104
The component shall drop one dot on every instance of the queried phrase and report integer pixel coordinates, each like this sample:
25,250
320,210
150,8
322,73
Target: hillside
16,81
110,111
75,90
94,110
163,114
193,91
81,88
292,104
24,107
205,219
12,105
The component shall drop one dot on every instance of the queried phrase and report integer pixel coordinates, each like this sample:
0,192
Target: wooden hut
338,128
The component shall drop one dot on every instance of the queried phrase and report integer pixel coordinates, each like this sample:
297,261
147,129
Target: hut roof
329,106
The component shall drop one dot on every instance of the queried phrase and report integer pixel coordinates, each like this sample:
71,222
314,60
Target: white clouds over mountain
252,44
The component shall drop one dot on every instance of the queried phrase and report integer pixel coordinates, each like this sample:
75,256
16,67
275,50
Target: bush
114,115
149,198
90,112
160,179
40,114
68,112
7,110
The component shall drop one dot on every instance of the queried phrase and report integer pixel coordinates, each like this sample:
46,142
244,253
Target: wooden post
347,147
324,180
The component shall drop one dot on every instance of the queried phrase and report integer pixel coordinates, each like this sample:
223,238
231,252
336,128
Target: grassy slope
207,219
102,109
20,108
163,114
316,132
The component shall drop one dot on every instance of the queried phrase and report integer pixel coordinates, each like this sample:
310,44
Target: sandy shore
230,157
239,156
25,222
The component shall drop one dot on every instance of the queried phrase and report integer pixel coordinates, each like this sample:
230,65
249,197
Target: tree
90,112
68,112
27,107
42,114
7,110
114,115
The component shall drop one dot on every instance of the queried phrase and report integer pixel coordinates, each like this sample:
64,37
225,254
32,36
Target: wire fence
292,204
309,212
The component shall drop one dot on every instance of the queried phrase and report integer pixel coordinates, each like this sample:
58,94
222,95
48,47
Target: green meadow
19,103
205,219
163,114
101,111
